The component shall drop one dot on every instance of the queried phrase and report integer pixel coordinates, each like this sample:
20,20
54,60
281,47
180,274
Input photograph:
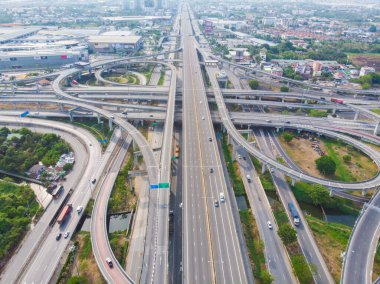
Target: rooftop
114,39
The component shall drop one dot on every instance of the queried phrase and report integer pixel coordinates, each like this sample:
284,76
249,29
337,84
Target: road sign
174,158
103,140
164,185
24,114
154,123
153,186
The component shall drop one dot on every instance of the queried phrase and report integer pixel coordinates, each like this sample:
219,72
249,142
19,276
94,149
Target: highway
211,249
86,158
275,253
305,236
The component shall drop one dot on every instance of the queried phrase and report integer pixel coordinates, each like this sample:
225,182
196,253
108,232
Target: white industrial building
40,59
114,43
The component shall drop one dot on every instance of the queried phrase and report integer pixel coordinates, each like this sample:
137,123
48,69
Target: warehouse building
40,59
112,44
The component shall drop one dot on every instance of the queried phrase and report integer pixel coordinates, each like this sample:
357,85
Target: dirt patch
301,152
372,60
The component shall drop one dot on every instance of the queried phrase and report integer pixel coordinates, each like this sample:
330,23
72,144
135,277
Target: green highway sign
164,185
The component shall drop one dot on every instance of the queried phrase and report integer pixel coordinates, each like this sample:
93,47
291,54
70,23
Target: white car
66,235
222,197
79,209
270,225
203,118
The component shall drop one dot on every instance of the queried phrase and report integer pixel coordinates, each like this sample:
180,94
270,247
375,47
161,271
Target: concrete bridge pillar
377,128
71,116
135,160
306,102
14,106
277,129
61,107
299,131
130,184
293,181
38,105
13,89
228,139
142,122
283,99
364,193
249,136
334,110
355,95
133,145
356,115
110,124
37,88
260,98
331,192
263,168
98,117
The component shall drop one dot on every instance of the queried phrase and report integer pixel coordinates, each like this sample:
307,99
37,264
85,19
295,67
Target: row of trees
17,155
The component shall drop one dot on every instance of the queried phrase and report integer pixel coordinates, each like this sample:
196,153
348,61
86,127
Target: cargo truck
64,213
294,213
338,101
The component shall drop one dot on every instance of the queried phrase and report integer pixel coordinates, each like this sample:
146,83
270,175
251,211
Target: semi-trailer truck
64,213
294,213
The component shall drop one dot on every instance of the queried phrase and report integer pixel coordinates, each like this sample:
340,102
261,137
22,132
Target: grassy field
332,240
87,266
359,168
124,79
376,110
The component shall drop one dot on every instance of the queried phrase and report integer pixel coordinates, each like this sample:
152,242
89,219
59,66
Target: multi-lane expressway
211,249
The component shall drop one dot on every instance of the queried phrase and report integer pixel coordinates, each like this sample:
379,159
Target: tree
325,165
288,137
319,195
372,29
254,84
284,89
67,167
347,159
287,234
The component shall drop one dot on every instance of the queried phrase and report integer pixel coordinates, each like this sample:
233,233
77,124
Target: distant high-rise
159,4
138,6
